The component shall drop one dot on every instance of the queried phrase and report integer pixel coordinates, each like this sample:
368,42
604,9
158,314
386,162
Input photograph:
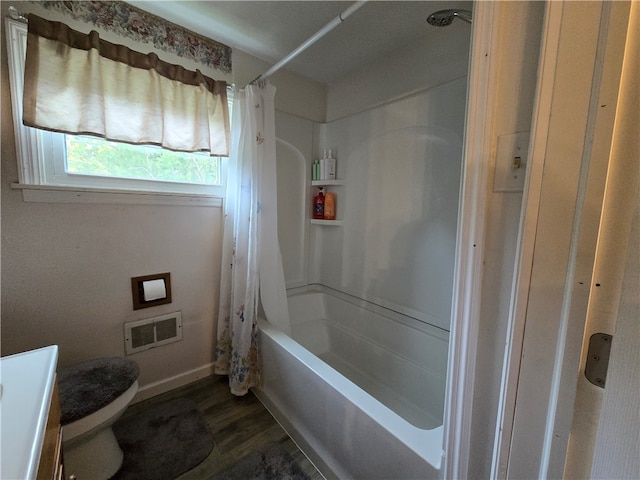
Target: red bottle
318,205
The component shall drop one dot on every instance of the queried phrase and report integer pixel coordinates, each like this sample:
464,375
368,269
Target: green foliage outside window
95,156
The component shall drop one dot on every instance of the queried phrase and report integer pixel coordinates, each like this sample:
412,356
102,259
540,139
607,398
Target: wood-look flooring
239,425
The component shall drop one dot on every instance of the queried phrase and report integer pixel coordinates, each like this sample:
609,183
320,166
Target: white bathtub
360,388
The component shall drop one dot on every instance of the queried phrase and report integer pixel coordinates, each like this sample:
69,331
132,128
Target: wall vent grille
152,332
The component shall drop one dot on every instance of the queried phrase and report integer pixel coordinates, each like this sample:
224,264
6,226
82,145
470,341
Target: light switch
511,162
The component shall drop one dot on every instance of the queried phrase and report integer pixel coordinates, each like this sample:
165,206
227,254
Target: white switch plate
511,162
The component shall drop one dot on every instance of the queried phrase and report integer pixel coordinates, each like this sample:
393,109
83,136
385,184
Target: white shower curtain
251,261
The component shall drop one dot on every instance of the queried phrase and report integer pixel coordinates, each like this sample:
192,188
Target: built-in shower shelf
323,183
333,223
327,183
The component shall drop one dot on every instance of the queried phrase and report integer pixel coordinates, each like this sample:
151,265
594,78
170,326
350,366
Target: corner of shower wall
316,233
388,138
294,154
299,142
399,165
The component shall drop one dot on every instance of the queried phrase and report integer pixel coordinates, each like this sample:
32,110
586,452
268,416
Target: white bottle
323,166
331,167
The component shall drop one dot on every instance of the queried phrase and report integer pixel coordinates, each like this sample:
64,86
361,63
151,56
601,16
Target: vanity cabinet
31,437
50,467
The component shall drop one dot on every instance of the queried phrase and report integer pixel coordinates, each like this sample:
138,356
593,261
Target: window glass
94,156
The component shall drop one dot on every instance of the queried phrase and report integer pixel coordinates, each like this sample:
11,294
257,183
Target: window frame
41,155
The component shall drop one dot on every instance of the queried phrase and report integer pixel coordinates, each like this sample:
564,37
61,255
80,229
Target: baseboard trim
167,384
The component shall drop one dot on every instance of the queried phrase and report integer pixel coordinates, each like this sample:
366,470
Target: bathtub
359,388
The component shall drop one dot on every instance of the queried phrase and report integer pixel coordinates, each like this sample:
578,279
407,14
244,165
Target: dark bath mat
272,463
163,442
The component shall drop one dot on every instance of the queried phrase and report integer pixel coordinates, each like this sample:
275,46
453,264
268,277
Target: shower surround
401,165
375,288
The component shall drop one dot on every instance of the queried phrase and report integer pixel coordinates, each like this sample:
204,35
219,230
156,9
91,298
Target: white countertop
27,381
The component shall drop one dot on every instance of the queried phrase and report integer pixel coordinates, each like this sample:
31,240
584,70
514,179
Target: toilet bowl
93,395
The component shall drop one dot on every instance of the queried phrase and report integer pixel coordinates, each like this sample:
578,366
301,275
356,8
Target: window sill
57,194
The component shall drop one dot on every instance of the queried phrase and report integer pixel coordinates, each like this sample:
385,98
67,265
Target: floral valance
140,26
81,84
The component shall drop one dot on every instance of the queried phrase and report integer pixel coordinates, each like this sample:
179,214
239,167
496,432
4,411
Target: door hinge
598,358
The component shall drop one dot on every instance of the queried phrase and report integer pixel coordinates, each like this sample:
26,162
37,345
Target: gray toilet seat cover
86,387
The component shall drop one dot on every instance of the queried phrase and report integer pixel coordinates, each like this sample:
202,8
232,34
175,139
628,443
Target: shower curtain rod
311,40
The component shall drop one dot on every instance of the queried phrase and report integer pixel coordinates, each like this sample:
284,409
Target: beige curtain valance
79,83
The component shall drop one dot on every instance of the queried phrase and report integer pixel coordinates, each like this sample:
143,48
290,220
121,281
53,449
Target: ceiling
270,30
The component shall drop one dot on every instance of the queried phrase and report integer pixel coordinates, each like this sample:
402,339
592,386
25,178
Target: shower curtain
251,260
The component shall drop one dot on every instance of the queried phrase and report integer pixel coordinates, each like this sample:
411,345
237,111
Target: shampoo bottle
331,167
330,206
318,205
323,166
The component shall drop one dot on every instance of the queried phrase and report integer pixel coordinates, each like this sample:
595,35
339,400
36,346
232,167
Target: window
97,157
81,162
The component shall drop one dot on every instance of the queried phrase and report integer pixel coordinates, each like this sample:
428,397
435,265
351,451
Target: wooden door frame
569,155
481,93
559,357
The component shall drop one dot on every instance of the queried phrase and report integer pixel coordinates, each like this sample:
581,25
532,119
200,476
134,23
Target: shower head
442,18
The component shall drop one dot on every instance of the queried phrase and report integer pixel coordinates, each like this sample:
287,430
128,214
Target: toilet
93,395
